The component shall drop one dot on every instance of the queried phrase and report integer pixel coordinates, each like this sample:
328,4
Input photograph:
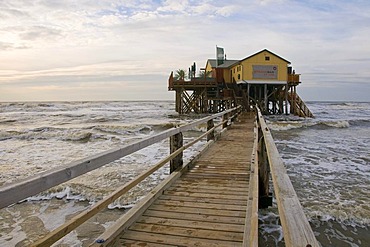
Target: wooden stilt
248,92
266,101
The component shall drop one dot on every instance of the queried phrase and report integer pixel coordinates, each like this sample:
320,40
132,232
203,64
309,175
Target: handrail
82,217
250,237
13,193
77,220
296,228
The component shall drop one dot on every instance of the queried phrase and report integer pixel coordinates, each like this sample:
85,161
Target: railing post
176,142
234,115
210,125
265,197
225,118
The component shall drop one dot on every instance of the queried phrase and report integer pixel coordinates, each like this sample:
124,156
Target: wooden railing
296,228
293,78
250,237
194,82
15,192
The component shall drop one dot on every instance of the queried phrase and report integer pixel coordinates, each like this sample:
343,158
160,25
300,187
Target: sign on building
265,71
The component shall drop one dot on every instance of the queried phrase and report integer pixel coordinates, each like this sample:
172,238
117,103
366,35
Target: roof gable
265,50
232,62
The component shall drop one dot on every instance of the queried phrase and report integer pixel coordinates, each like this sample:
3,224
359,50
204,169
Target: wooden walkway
211,201
207,205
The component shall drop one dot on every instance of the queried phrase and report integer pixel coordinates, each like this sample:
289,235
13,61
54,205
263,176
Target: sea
327,159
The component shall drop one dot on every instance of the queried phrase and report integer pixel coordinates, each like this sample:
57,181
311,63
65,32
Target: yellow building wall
259,59
208,67
227,75
236,73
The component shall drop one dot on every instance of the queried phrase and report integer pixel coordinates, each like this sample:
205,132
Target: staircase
299,107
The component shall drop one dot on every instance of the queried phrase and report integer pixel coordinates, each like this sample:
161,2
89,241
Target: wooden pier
211,201
207,204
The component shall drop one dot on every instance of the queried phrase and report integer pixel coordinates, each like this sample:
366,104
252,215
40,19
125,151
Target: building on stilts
263,78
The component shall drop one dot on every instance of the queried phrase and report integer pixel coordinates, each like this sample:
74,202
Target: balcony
293,79
196,82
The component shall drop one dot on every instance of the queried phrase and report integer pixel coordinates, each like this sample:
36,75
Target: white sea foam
337,124
286,125
65,193
327,157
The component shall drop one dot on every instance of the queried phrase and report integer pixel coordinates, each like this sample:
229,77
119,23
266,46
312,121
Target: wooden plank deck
207,205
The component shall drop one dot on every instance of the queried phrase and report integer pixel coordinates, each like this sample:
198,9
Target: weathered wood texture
176,142
297,231
207,205
251,219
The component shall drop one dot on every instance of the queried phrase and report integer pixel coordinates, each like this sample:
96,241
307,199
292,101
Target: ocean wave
360,122
64,193
287,125
124,130
8,121
5,135
165,126
338,216
77,136
335,124
48,133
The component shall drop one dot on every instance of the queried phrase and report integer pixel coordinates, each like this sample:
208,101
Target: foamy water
327,159
36,137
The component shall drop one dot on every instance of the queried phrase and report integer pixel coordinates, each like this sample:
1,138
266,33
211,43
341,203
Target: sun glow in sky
125,50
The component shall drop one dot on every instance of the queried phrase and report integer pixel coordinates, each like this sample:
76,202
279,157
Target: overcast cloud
125,50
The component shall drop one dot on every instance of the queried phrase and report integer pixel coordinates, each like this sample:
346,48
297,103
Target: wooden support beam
295,101
263,174
266,100
286,99
210,125
178,101
176,142
248,92
225,118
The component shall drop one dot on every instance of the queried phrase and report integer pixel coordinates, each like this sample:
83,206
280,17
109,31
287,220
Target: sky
70,50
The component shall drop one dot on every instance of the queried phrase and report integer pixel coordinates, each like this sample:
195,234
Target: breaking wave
84,134
48,133
65,193
287,125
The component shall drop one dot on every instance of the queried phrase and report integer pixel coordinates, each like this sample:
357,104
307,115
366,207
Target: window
267,58
238,76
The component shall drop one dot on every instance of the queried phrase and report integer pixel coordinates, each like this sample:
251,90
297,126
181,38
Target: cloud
113,42
39,32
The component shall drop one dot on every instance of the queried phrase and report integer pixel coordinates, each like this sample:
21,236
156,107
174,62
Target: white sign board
265,71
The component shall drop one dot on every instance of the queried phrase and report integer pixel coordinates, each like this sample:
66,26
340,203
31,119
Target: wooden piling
210,125
176,142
